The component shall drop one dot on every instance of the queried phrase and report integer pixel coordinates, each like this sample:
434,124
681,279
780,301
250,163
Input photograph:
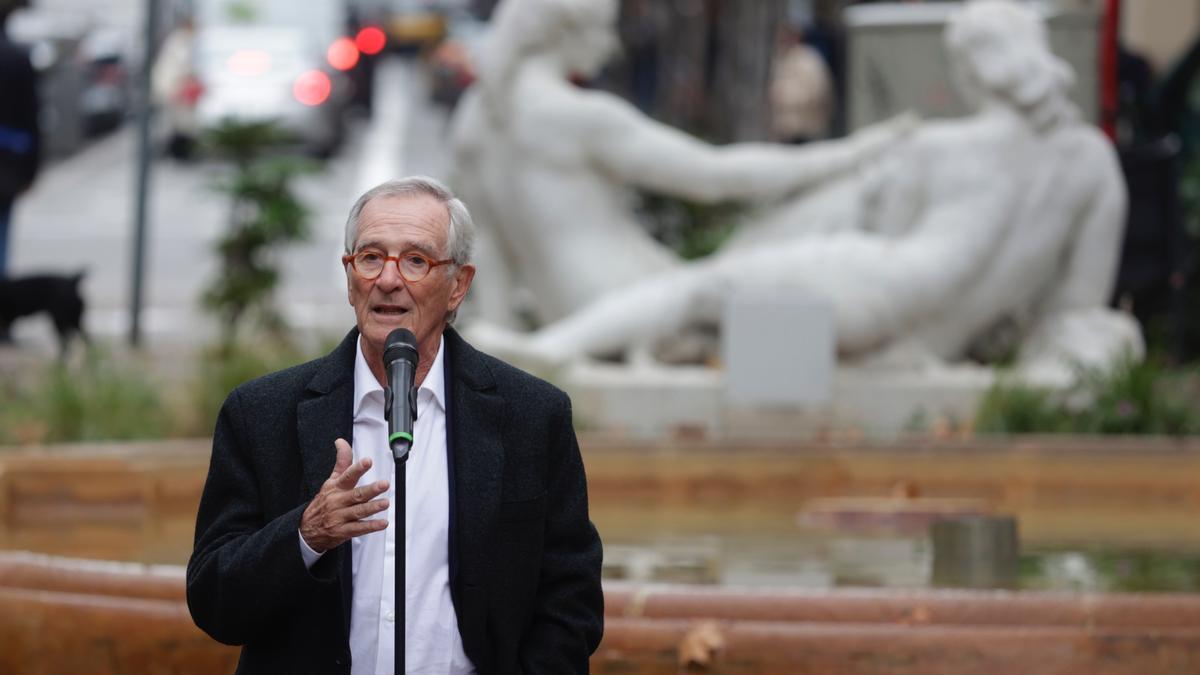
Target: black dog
56,295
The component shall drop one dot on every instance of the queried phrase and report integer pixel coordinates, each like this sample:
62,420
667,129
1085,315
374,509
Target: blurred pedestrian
643,26
20,146
801,90
174,88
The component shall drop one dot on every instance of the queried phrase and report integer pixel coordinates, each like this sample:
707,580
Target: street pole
142,194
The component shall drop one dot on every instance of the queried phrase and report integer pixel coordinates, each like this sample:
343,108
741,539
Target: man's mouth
389,310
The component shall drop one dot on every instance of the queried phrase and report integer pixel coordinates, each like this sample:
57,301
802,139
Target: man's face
396,225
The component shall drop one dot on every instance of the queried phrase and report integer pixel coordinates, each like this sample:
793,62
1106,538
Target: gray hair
460,233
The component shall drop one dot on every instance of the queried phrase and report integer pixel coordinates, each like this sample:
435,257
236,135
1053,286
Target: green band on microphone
400,434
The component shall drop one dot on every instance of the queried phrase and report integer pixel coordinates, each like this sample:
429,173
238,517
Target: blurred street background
80,214
78,217
701,65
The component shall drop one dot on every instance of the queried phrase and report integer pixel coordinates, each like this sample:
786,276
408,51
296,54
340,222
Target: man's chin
378,327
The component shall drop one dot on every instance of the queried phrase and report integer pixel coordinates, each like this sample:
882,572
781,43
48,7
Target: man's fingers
341,524
344,456
356,512
369,509
358,528
357,495
350,476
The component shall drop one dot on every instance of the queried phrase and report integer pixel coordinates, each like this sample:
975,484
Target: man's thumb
344,456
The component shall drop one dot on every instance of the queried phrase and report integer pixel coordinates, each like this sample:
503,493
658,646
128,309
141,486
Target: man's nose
390,278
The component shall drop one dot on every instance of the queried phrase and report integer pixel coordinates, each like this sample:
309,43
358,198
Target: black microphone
400,398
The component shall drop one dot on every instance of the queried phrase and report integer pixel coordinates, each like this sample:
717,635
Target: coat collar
326,412
475,419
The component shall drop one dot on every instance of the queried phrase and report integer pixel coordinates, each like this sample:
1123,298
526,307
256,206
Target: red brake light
312,88
342,54
370,40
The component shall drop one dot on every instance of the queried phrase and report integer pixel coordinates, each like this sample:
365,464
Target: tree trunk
745,49
683,74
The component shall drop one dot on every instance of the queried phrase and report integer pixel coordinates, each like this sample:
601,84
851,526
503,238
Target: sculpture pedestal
652,402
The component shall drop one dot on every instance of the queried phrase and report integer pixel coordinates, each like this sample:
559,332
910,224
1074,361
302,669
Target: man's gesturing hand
339,510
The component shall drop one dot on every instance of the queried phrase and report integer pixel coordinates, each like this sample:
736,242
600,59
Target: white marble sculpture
548,167
1011,217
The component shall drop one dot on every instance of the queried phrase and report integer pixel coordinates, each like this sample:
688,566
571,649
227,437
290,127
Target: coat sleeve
568,618
31,110
246,572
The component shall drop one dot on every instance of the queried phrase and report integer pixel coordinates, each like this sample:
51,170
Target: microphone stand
400,447
401,554
400,357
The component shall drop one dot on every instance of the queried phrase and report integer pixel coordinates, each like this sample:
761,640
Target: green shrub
1021,409
1134,397
1140,572
1139,398
691,229
109,398
265,215
98,400
221,369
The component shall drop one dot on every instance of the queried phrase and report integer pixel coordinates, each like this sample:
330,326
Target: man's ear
462,283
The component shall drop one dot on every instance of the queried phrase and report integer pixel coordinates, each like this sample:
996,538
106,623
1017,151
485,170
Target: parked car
105,99
83,87
252,74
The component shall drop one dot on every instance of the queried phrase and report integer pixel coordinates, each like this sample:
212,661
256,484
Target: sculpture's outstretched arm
657,157
878,285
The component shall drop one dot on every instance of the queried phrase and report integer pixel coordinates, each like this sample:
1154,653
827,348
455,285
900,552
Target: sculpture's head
999,51
587,38
579,34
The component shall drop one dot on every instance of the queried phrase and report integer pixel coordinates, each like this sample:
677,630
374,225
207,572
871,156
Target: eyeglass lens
370,264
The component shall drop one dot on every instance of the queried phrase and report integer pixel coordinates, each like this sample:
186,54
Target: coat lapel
474,423
326,414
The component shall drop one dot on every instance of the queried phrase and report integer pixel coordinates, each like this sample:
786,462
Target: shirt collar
365,383
435,379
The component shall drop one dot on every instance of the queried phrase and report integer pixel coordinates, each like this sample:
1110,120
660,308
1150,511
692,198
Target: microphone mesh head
400,344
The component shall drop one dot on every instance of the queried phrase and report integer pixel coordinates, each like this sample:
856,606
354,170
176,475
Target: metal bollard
975,552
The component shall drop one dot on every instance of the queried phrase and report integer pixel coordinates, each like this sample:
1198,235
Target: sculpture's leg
641,314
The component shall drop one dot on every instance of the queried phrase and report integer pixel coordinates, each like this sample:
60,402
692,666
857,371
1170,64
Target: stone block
779,351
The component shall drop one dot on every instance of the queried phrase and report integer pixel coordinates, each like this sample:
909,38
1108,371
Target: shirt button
390,617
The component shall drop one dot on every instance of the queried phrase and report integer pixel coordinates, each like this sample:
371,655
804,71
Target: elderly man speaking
295,541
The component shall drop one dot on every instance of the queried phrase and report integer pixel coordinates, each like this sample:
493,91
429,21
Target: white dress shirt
433,644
